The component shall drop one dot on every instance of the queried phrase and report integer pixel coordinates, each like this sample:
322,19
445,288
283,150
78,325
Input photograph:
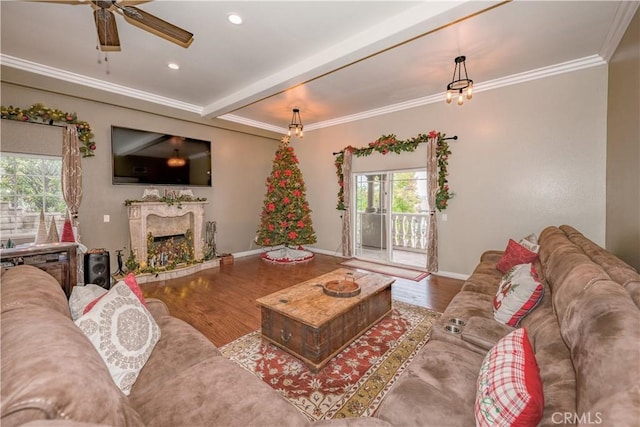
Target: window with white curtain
29,184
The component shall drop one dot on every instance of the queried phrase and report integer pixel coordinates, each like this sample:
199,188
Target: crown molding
540,73
564,67
79,79
254,123
624,15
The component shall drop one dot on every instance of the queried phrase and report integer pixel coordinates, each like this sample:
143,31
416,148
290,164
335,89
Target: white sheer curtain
432,188
347,243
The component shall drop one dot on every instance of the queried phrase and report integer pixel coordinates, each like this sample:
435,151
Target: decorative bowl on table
341,288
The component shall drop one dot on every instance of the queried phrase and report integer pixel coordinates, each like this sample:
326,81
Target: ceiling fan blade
157,26
107,30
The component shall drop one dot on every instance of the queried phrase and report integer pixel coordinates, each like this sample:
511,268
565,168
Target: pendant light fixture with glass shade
175,161
296,124
459,82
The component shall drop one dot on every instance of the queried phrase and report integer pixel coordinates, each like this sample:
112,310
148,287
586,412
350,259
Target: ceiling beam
414,22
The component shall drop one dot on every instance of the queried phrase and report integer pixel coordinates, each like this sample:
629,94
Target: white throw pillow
81,296
124,333
518,293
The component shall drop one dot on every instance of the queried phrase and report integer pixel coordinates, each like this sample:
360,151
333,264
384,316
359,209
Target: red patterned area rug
355,381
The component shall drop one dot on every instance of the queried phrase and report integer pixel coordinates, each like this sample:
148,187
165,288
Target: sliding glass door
390,223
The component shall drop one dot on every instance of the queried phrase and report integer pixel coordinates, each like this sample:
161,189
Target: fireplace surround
162,219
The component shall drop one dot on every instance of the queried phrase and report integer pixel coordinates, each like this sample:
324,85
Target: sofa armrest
484,332
157,308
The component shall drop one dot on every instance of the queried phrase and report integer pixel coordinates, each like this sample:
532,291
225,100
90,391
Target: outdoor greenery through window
29,184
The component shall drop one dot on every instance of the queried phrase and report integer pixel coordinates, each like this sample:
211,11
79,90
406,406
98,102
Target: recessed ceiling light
235,19
173,66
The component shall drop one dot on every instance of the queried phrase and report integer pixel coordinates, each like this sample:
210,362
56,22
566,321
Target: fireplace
156,224
172,250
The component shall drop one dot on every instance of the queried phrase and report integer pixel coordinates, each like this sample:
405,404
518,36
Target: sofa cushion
180,347
437,388
602,329
519,292
63,376
515,254
123,332
214,392
19,292
509,389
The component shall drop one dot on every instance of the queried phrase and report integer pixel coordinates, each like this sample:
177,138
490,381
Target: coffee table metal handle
284,336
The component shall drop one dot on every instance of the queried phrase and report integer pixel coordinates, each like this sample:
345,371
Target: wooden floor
220,302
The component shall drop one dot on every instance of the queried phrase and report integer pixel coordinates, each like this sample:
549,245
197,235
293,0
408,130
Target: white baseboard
324,252
452,275
248,253
261,250
459,276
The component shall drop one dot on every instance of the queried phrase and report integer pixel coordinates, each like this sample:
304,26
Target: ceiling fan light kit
108,31
459,84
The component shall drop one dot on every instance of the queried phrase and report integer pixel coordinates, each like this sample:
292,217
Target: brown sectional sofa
52,375
585,333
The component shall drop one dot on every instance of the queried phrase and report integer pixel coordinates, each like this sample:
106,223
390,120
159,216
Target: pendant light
459,82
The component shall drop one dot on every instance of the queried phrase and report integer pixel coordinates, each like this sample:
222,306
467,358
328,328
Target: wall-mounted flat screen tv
152,158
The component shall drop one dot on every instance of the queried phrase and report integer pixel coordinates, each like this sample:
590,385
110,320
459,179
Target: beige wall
623,148
528,156
241,163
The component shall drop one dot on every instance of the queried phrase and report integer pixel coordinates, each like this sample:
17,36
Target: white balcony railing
408,231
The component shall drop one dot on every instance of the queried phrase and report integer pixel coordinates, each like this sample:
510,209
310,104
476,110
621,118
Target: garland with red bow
390,144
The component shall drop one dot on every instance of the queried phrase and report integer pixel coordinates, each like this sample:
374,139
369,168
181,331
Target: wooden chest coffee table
313,326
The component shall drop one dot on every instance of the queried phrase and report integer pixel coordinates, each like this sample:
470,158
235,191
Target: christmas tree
286,217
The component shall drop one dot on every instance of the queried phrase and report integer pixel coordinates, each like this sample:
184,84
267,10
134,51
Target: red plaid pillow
509,389
515,254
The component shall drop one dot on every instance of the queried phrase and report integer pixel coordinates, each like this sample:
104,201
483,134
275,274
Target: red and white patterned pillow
518,293
515,254
131,282
123,332
509,389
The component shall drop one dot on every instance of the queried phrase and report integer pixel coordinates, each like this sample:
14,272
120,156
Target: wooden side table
57,259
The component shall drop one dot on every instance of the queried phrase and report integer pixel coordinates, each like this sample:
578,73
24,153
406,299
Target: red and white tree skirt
287,255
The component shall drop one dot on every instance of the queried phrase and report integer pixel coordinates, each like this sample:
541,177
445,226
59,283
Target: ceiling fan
108,31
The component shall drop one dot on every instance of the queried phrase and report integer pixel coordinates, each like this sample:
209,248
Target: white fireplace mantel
173,219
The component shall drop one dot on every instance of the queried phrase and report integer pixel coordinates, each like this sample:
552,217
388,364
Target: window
29,184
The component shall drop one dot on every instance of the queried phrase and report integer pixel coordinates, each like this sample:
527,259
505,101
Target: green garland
390,144
38,113
169,200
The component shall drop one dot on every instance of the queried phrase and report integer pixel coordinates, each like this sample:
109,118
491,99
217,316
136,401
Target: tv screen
143,157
